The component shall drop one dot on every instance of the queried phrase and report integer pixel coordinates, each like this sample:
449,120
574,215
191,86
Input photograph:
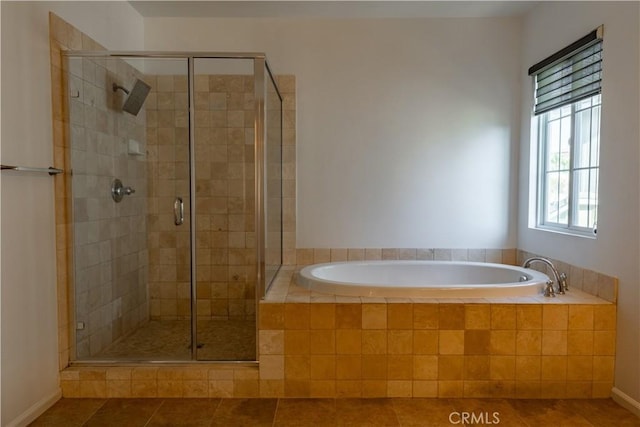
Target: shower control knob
118,191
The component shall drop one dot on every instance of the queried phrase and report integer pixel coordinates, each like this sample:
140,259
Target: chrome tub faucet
561,278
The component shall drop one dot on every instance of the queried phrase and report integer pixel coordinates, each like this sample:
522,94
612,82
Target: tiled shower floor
171,340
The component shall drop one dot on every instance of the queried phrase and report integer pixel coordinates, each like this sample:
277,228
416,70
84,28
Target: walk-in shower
176,178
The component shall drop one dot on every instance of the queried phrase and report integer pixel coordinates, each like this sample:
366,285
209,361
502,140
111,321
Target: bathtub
421,279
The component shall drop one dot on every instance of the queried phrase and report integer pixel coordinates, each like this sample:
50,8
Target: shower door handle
178,211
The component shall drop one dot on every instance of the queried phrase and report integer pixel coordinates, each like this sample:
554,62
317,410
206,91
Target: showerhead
136,97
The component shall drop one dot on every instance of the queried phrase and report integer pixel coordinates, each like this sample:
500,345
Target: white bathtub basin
428,279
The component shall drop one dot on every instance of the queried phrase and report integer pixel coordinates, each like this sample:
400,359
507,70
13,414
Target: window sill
565,232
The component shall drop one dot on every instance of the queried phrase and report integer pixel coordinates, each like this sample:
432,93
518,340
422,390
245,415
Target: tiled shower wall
109,240
224,141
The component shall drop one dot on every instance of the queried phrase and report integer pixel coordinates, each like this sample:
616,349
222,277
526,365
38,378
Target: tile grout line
95,412
155,412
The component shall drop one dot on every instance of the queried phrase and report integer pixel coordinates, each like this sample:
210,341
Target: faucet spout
560,278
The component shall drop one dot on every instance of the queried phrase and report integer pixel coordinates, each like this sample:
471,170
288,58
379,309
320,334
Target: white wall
29,343
407,128
548,28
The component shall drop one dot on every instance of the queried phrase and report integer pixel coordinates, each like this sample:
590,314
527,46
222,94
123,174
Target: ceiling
332,9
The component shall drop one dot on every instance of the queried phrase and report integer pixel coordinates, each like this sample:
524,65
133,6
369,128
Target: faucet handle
548,289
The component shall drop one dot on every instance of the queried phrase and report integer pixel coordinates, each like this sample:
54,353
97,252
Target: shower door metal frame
261,69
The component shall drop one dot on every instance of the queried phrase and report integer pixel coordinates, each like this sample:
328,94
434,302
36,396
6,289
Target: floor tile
365,412
185,412
487,411
423,412
603,412
548,412
245,412
124,412
306,412
69,412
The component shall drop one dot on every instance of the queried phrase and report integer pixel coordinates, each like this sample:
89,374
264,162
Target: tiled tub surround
314,345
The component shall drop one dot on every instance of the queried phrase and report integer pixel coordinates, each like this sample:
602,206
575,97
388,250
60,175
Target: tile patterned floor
334,412
171,340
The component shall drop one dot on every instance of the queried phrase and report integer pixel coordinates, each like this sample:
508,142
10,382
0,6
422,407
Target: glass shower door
224,199
129,139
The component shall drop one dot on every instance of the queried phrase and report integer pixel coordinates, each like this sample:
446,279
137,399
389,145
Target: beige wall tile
503,316
580,342
374,316
400,316
502,342
425,342
272,367
528,389
528,342
425,367
555,317
604,317
451,316
374,341
348,316
400,342
322,341
349,388
477,341
374,367
579,368
348,367
322,316
425,389
425,316
450,367
449,388
296,342
528,317
374,388
322,388
554,342
296,368
477,316
271,316
604,343
271,388
553,368
297,388
527,368
296,316
477,368
348,341
603,368
552,390
451,341
399,367
578,390
502,367
397,388
581,317
271,341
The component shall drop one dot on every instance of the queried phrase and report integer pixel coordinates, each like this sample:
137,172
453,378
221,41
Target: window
567,111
